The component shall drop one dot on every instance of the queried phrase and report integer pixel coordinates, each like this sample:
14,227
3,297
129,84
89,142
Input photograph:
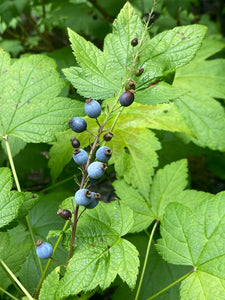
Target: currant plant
74,245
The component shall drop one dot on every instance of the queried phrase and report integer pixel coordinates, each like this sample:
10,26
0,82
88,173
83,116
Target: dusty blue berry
80,156
44,249
82,197
92,108
103,153
127,98
94,200
96,169
78,124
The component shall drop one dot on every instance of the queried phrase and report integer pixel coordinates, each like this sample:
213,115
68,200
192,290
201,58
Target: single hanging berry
96,169
139,71
83,197
103,154
44,250
108,136
134,42
92,108
75,142
64,214
94,200
80,156
78,124
127,98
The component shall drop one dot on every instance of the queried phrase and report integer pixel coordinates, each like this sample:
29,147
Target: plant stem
16,280
146,258
50,259
8,294
101,10
19,190
172,284
56,184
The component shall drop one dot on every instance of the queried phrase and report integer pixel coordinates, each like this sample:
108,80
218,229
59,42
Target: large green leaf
100,73
15,246
100,252
30,109
50,285
194,237
10,201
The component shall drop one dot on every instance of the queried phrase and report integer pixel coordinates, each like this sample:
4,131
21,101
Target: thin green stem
16,280
172,284
57,184
19,190
146,258
8,294
50,259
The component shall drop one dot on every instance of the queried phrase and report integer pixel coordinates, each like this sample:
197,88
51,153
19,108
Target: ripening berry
94,200
134,42
78,124
139,71
80,156
130,85
108,136
44,250
82,197
127,98
64,214
75,142
92,108
96,169
103,154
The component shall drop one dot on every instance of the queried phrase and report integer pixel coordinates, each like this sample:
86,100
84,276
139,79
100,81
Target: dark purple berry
78,124
127,98
134,42
130,85
108,136
64,213
75,142
139,71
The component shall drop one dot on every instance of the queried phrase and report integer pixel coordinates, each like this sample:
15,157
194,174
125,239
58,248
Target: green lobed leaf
193,237
29,107
143,215
15,246
208,48
100,252
199,113
50,285
10,201
16,145
30,200
101,73
166,185
170,50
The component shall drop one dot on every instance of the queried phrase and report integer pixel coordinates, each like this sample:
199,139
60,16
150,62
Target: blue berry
44,249
78,124
103,153
92,108
127,98
94,200
80,156
96,169
82,197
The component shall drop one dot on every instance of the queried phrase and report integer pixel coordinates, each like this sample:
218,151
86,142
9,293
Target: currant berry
92,108
75,142
94,200
139,71
108,136
127,98
82,197
96,169
134,42
64,213
130,85
78,124
44,249
103,154
80,156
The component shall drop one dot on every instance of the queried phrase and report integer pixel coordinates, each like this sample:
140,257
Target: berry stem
19,190
172,284
146,259
8,294
50,259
